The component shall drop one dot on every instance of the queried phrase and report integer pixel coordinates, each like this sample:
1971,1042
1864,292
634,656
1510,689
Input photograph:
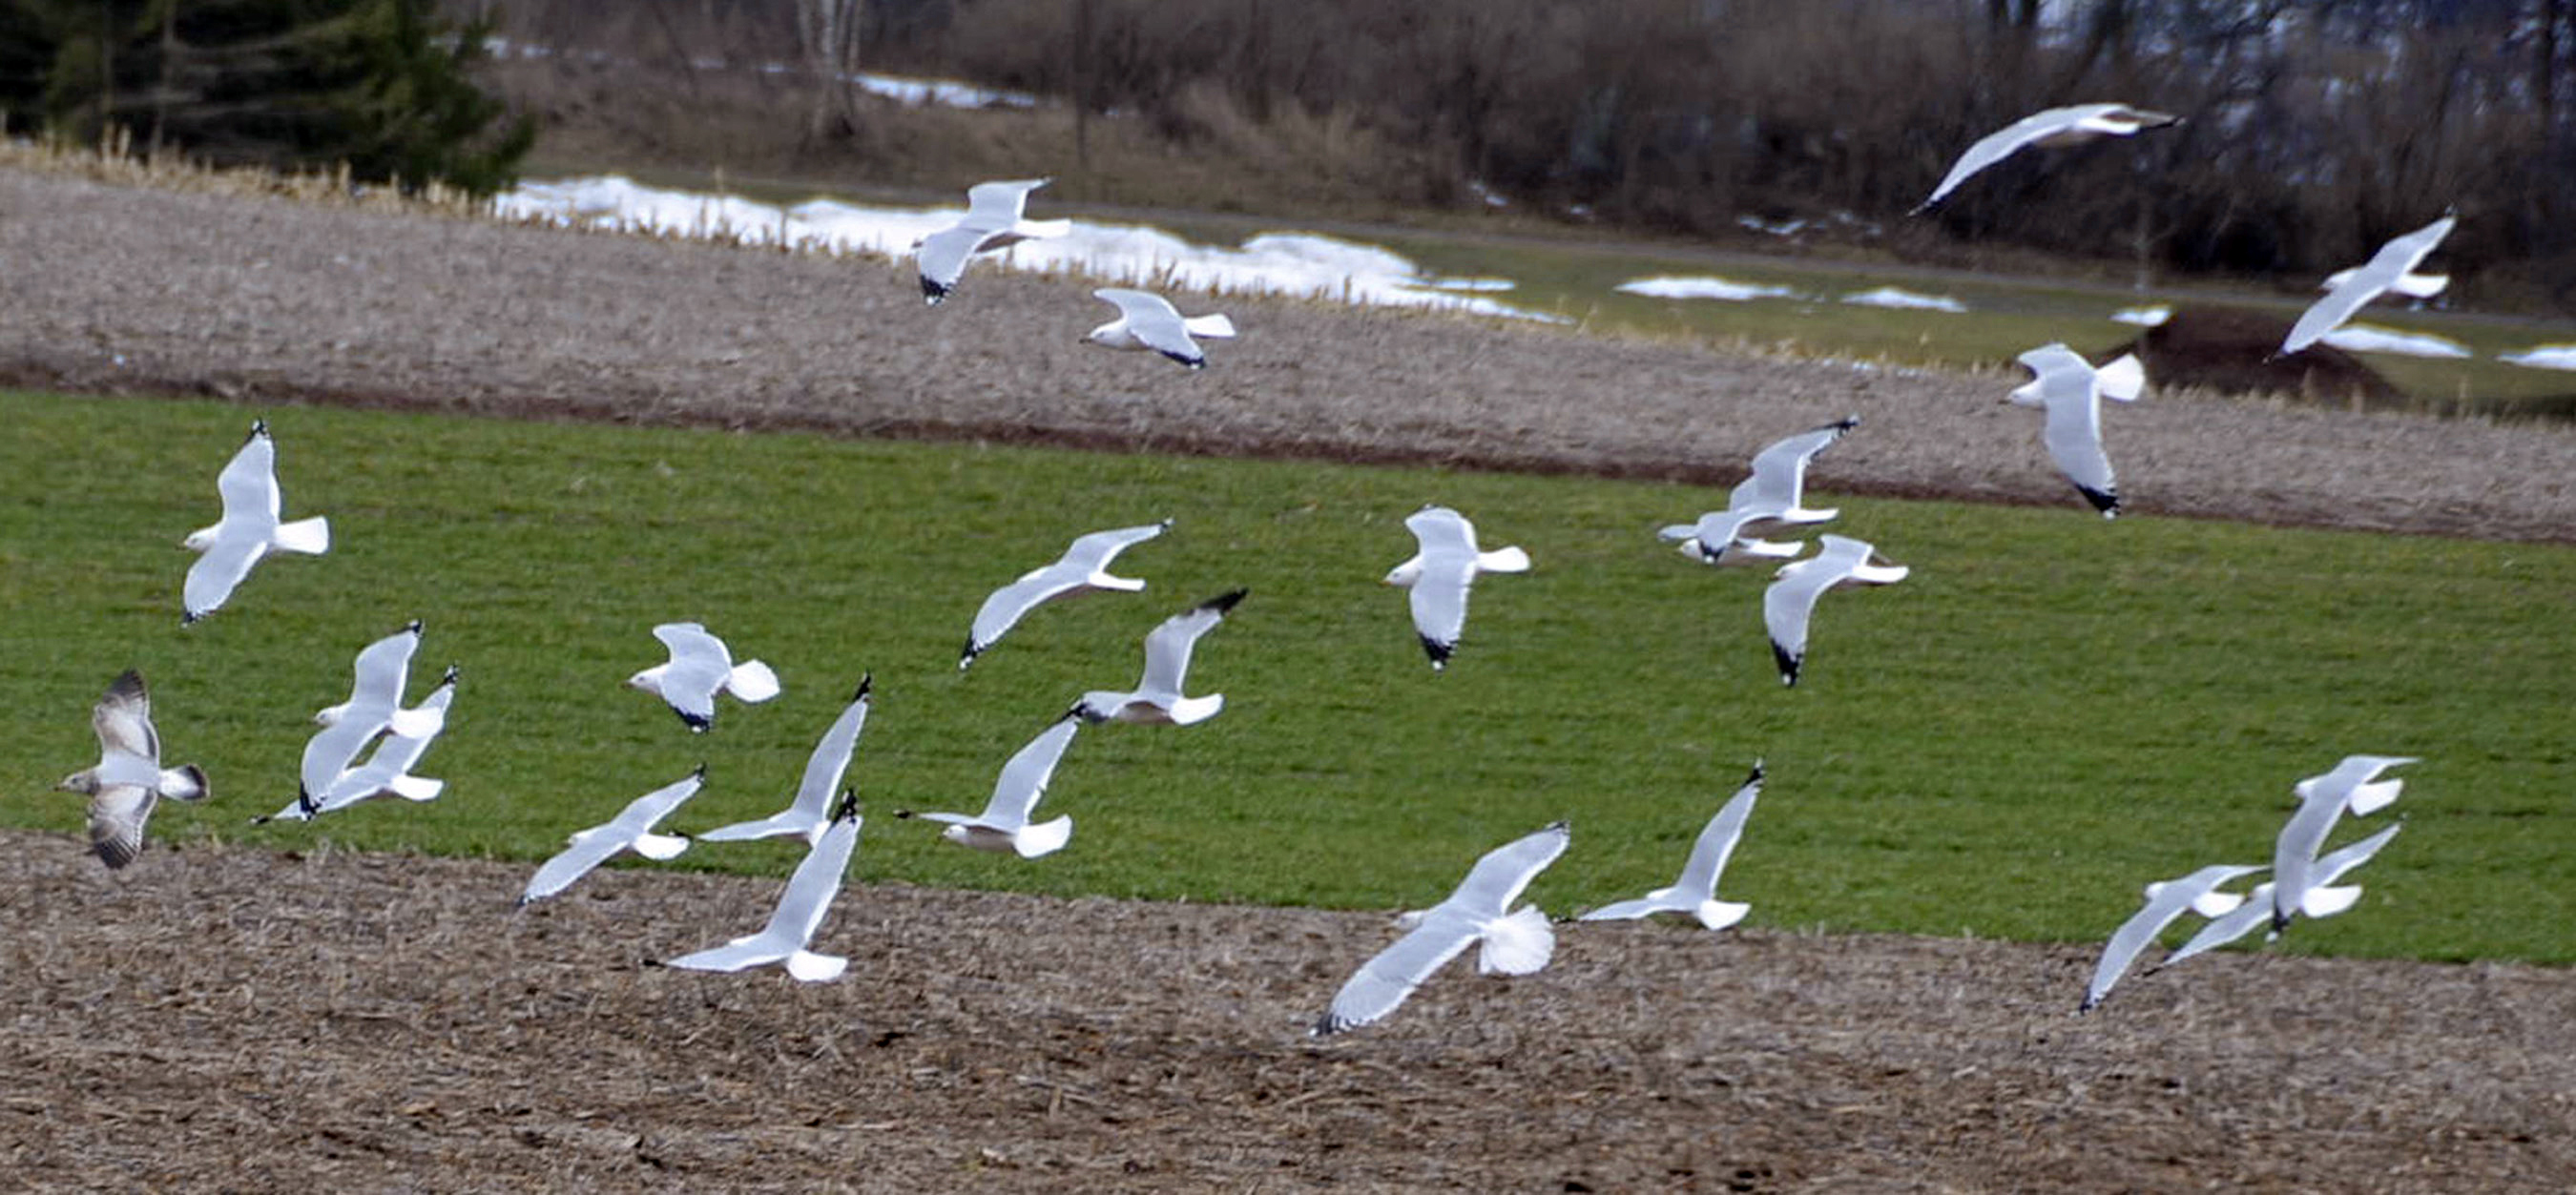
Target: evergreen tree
380,85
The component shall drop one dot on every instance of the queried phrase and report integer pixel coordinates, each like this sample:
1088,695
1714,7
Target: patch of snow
1672,287
2145,317
2363,338
2547,356
944,93
1301,264
1785,228
1889,296
1472,284
1492,198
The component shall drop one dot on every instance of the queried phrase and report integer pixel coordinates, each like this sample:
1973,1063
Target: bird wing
996,206
2329,312
1004,608
1153,321
2073,432
329,753
116,816
1382,983
588,849
2000,144
1629,910
123,720
383,670
1439,529
1024,777
740,954
816,880
831,755
2402,254
1780,471
1439,600
1498,878
2133,936
1717,841
1167,647
1788,603
212,579
248,482
1093,552
941,258
641,813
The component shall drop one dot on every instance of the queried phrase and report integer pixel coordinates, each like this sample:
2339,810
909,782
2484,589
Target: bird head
84,781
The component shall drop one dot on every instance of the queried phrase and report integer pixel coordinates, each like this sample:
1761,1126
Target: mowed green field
2052,711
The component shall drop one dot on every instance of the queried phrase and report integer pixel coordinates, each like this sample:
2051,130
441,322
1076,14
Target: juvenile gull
992,221
1444,564
801,906
1084,568
2047,130
1148,321
2322,800
1004,823
2390,269
812,810
1772,494
631,829
1792,596
1157,696
248,530
1478,913
2071,390
129,779
373,708
2323,898
1695,892
700,666
2166,900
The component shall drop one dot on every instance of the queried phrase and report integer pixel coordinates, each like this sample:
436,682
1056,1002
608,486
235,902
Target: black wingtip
2103,500
1224,602
1188,362
412,627
973,649
1438,651
867,684
450,676
848,807
1756,776
700,771
1788,663
1846,423
698,723
258,428
932,292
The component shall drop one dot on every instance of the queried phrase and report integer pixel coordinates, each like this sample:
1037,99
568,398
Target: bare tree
828,33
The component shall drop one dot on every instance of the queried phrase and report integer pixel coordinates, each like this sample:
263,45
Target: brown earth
217,1018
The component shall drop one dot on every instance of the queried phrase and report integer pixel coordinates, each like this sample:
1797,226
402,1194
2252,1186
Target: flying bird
801,906
2166,900
1478,913
249,529
1157,697
1695,892
1084,568
1791,599
1444,564
1774,493
387,773
2323,899
2051,129
1004,823
2390,269
2071,390
1148,321
992,221
631,829
374,706
811,811
2322,800
701,666
129,779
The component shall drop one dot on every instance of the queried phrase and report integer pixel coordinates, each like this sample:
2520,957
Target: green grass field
2050,712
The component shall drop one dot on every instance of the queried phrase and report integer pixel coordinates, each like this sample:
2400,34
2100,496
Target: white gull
631,829
1444,564
701,666
2390,269
801,906
1084,568
248,531
811,811
2070,390
1791,599
1695,892
1157,696
1004,823
1478,913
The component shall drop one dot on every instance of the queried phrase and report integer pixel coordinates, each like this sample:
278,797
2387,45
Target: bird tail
1517,944
1719,914
816,968
1040,230
416,788
1503,560
2123,379
418,722
186,783
310,536
2367,799
2420,286
1213,327
2326,902
1196,709
752,680
1045,838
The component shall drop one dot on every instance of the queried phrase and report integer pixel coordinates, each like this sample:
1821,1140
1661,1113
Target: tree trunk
829,31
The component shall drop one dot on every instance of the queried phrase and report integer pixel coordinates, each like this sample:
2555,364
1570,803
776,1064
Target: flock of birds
130,779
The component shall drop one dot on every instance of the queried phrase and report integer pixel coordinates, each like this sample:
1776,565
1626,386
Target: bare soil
228,1019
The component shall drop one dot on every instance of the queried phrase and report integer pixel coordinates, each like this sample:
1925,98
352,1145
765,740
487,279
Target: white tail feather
1503,560
2123,379
1517,944
660,846
752,680
1044,838
1719,914
417,788
418,722
309,536
2367,799
2216,904
1213,327
2420,286
2326,902
816,968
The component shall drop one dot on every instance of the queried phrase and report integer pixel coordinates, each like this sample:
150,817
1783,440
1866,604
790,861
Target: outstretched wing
1168,646
1717,840
1382,983
1024,778
1498,878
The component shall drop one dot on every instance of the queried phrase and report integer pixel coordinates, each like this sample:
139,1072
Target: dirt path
118,289
227,1018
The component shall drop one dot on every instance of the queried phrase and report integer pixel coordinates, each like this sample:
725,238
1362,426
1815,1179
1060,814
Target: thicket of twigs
2315,128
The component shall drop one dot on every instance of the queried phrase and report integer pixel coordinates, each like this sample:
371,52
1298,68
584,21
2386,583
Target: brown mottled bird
129,778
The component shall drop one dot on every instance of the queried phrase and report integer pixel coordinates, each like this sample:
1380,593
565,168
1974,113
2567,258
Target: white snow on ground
1673,287
2363,338
2547,356
1889,296
2144,317
1286,263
